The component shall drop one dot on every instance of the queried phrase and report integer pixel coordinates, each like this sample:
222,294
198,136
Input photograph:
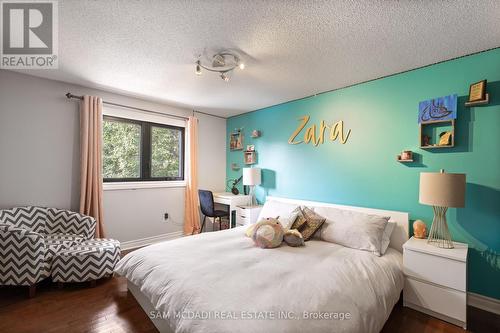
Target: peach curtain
91,160
192,214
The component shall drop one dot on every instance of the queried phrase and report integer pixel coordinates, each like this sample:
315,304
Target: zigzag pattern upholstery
66,222
32,238
28,217
89,260
22,256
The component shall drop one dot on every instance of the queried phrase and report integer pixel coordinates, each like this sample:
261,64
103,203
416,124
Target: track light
198,68
224,77
222,63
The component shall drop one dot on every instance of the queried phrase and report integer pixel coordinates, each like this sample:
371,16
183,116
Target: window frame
146,152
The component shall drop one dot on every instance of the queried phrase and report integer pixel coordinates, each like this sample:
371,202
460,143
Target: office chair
208,208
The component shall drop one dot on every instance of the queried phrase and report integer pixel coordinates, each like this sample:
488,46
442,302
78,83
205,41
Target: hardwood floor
108,307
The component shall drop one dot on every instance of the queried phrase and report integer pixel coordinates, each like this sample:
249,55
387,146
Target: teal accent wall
382,116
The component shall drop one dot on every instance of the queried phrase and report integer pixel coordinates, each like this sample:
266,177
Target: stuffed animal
293,238
419,229
268,234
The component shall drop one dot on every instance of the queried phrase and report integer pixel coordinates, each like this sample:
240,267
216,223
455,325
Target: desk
231,200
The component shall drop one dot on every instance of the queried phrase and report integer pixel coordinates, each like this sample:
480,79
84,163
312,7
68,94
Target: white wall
39,157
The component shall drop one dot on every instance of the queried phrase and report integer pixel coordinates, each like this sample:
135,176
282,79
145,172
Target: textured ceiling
291,49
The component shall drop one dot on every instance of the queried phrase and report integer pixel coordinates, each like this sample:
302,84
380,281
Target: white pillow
386,237
353,229
287,220
274,209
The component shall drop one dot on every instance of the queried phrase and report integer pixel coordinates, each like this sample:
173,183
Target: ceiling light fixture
223,63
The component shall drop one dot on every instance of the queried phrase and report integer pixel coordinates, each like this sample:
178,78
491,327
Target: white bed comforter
220,282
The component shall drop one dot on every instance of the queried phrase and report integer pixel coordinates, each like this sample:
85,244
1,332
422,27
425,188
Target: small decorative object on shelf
250,148
236,140
250,157
419,229
256,134
405,156
446,138
235,166
477,94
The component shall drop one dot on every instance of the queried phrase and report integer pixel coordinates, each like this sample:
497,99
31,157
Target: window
136,150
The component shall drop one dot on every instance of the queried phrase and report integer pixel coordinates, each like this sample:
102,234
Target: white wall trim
133,244
117,186
484,303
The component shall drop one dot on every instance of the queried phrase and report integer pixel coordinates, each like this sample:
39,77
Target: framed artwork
236,140
250,157
439,108
477,91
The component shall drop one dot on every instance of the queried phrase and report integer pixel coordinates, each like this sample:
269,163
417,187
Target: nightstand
247,214
436,280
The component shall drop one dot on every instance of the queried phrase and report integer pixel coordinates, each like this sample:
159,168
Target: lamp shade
442,189
251,176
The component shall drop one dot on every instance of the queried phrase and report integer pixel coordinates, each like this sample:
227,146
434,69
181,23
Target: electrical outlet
165,216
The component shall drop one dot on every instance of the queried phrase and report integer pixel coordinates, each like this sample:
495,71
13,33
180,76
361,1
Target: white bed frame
398,238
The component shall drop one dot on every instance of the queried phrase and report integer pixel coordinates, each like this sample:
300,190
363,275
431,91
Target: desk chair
208,208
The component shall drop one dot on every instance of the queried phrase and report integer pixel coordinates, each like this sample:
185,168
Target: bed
220,282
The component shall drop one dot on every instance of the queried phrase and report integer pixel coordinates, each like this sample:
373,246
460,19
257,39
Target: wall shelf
432,127
479,103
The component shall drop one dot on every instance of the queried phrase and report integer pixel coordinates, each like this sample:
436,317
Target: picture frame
250,157
438,109
236,140
477,91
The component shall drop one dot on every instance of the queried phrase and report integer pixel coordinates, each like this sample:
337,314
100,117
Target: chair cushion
55,243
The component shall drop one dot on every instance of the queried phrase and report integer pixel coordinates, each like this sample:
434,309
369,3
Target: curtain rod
70,96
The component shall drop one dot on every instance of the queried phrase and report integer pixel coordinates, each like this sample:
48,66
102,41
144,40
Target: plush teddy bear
269,233
293,238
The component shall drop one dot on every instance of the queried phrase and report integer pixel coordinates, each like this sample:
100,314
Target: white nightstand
247,214
436,280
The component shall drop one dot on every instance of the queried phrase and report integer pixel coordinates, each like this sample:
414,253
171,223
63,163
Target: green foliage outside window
121,149
165,146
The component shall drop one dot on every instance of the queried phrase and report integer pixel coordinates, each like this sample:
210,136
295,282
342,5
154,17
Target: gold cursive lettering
291,141
317,138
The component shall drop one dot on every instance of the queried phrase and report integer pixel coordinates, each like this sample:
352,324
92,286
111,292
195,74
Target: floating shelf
479,103
436,146
405,161
437,123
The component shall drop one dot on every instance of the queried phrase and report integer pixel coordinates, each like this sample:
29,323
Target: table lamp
441,190
251,177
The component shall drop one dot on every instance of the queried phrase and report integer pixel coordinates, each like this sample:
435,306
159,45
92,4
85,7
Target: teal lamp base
440,235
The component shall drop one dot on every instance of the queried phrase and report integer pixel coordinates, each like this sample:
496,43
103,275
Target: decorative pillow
353,229
268,234
293,238
273,208
300,220
288,220
386,237
313,222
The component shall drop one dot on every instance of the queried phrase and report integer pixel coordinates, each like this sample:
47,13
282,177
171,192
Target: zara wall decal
311,135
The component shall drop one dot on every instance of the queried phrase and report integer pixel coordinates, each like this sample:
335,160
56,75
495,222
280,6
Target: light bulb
242,65
224,77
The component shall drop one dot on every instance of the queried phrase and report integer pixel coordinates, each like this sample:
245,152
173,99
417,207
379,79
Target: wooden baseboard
133,244
483,302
